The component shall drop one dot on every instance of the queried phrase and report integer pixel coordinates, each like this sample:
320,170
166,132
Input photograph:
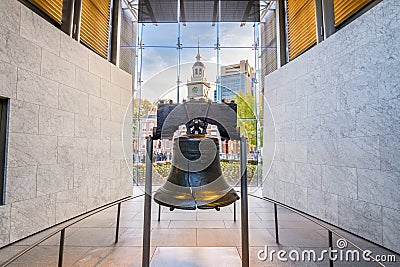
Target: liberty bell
196,179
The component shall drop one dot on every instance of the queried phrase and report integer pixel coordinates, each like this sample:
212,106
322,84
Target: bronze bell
195,179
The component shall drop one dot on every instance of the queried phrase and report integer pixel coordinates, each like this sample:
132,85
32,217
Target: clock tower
198,86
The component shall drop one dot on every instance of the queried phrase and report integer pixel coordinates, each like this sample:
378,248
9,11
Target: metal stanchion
61,248
330,240
159,212
147,203
276,223
244,202
234,211
117,226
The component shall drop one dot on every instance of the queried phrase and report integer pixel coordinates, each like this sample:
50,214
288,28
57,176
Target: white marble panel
340,181
54,178
322,102
322,152
72,150
126,98
21,183
10,10
361,152
286,93
86,174
8,80
110,130
5,215
99,66
270,97
284,171
99,194
339,124
117,112
57,69
99,150
296,151
296,196
308,129
87,82
24,117
358,92
20,52
71,203
382,119
36,89
362,218
110,91
121,78
110,170
28,150
31,216
36,29
99,108
296,110
391,226
56,122
116,150
126,170
285,131
389,148
323,205
379,187
309,175
87,127
74,52
308,84
73,100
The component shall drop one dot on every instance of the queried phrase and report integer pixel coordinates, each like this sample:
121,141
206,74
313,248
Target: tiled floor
182,238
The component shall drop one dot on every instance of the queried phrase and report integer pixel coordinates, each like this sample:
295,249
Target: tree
247,120
144,107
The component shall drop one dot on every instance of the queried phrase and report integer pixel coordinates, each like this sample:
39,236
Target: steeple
198,57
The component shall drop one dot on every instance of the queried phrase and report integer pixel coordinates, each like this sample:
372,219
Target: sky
159,65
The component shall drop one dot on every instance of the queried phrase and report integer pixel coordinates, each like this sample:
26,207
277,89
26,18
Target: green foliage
246,116
144,107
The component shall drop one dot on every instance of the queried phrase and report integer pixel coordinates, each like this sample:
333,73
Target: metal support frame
244,201
67,19
159,212
61,248
147,203
281,32
276,223
118,220
76,30
328,14
319,21
330,238
115,32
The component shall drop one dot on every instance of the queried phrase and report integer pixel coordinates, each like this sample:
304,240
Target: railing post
234,211
159,212
244,200
276,223
117,226
61,248
330,248
147,203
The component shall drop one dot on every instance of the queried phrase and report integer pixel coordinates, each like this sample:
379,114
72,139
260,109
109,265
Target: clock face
195,90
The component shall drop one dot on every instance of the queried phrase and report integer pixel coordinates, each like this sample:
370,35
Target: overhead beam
150,12
247,12
215,12
182,12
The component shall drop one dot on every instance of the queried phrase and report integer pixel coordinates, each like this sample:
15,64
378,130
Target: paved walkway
182,238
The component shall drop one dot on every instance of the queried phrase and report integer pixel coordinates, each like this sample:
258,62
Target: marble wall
336,110
67,107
